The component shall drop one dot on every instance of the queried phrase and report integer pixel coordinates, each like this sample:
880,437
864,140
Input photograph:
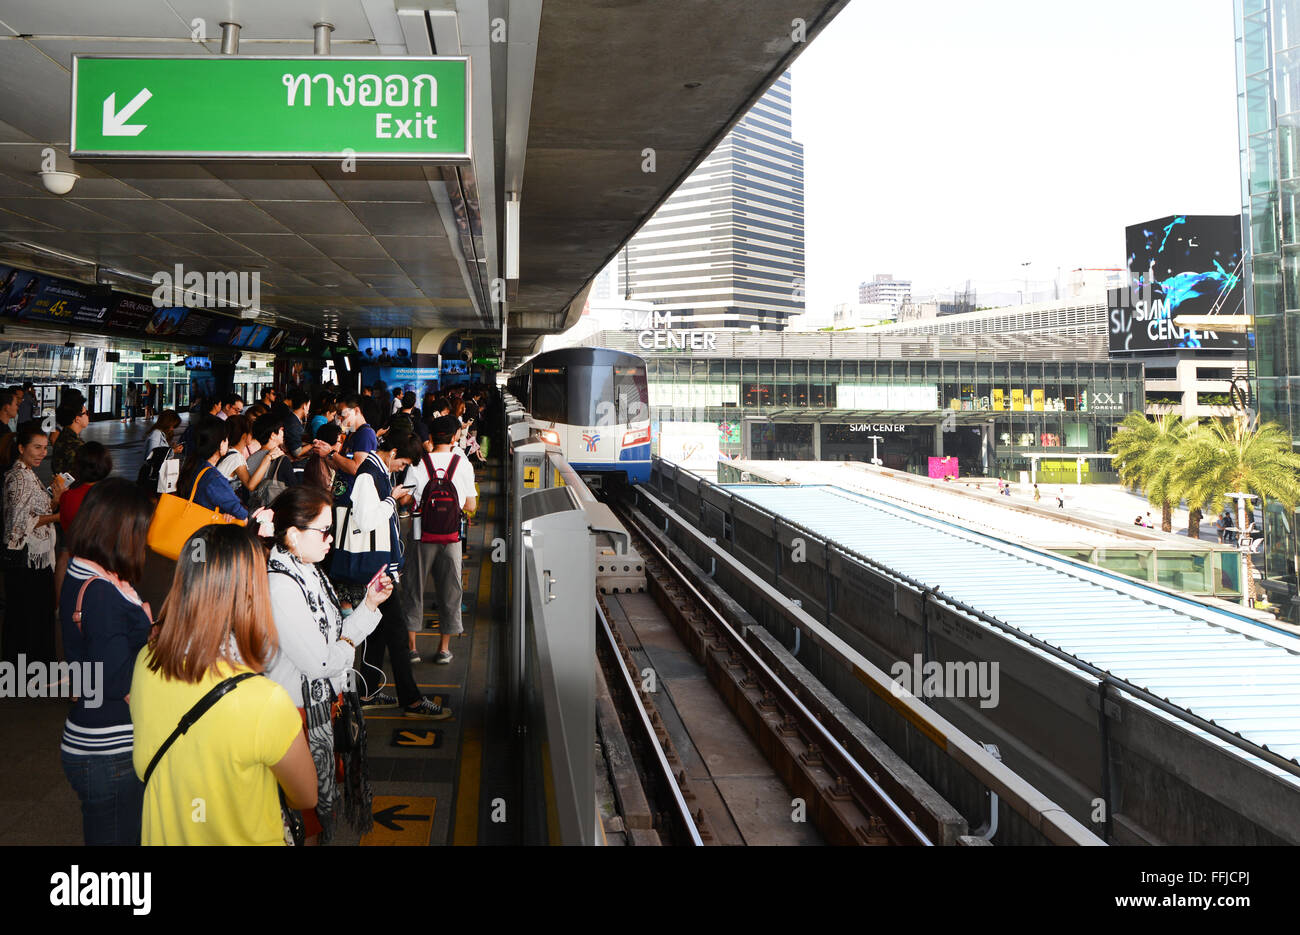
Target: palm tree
1229,457
1146,453
1189,484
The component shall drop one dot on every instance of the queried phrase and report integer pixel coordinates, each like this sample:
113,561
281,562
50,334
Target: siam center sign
656,333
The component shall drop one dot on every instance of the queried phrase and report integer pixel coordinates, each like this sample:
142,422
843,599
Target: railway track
739,760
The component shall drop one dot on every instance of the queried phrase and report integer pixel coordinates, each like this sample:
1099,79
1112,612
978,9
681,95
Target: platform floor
446,782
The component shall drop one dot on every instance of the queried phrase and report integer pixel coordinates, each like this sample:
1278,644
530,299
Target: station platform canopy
585,112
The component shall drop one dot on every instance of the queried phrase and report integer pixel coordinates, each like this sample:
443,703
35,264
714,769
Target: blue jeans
112,798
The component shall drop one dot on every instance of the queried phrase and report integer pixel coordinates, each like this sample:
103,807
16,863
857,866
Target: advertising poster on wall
66,302
19,289
692,445
130,313
943,467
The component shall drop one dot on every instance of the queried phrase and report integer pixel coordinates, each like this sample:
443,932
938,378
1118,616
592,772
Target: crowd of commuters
352,509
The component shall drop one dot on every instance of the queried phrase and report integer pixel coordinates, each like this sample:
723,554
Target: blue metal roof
1226,668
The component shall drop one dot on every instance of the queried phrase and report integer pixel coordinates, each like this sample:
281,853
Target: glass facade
1034,407
1268,115
1268,127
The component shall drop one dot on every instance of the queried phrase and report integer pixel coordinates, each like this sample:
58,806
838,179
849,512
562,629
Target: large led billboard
1185,264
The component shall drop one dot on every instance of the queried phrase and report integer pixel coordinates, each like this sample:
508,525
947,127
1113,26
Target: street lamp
875,440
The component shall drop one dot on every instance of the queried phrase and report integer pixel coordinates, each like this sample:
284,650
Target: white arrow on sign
115,121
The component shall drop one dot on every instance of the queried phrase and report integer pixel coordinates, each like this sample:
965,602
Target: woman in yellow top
216,784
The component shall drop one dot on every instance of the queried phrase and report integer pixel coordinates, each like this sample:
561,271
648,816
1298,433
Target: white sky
957,139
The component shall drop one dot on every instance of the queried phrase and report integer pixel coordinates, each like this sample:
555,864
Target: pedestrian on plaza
147,398
105,624
199,474
30,512
73,418
1060,499
318,472
162,433
234,464
93,463
443,486
1037,496
217,632
317,643
368,540
28,407
9,405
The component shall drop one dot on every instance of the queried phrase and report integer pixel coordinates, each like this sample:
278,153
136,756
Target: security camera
60,183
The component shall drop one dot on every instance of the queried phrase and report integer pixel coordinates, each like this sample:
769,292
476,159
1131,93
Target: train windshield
583,394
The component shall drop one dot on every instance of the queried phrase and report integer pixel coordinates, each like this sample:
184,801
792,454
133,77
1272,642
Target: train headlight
550,437
639,436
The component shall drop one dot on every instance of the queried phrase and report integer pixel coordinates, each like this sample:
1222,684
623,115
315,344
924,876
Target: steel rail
895,818
681,812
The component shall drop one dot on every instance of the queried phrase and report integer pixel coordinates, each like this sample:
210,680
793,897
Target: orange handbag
175,520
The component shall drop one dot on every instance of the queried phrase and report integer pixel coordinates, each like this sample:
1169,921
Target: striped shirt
97,741
114,627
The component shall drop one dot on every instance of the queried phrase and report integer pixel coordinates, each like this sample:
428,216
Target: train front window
550,392
604,395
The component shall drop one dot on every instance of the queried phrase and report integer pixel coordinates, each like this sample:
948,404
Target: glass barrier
1184,571
1136,563
1227,574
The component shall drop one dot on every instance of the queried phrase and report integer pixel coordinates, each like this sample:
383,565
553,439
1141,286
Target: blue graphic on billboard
1185,264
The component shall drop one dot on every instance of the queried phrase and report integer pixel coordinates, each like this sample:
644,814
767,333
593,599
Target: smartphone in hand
377,582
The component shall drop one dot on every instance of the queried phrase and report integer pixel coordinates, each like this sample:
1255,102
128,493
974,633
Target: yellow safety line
471,744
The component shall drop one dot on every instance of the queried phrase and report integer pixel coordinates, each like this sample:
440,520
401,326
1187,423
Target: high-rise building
1268,94
1268,113
727,247
884,289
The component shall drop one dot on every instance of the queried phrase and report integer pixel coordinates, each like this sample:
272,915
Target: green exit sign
252,107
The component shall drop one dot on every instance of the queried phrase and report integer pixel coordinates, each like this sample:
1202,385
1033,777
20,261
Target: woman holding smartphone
317,643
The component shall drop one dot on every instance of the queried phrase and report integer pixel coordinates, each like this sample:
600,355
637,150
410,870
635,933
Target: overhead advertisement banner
251,107
63,301
1184,264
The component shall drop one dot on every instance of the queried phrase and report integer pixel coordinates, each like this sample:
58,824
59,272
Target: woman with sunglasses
317,643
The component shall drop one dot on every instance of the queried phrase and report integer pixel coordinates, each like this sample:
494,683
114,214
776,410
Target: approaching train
593,403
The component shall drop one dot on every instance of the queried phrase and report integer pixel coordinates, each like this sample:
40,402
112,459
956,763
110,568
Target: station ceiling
591,110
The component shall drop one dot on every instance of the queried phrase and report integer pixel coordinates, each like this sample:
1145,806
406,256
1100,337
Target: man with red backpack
443,483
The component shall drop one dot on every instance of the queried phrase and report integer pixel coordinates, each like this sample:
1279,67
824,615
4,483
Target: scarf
317,694
25,501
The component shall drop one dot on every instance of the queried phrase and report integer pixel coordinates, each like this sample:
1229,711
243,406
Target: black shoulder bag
194,713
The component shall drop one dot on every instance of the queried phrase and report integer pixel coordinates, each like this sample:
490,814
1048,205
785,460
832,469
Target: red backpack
440,503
